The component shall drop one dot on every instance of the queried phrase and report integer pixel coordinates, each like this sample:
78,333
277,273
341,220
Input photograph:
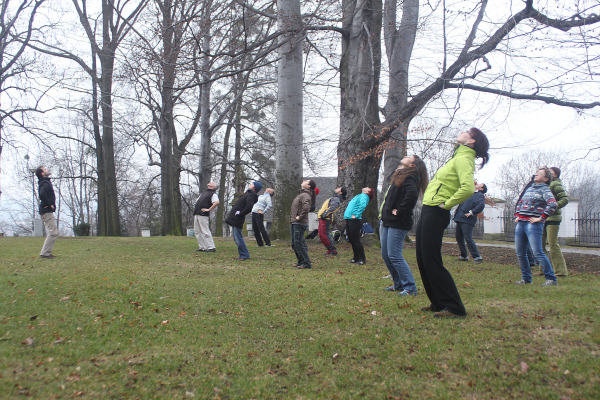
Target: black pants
258,227
437,281
353,231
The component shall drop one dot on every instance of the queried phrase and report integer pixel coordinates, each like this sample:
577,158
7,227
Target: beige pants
51,233
550,236
202,232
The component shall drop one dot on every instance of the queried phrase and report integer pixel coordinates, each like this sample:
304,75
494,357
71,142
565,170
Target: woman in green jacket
452,184
553,224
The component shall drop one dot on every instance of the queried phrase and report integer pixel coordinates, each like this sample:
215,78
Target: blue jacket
475,204
356,206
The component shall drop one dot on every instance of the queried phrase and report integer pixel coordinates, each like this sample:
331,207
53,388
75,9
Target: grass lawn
114,318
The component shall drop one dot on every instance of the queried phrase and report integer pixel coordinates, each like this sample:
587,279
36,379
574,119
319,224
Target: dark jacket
244,206
47,198
301,207
475,204
204,201
403,199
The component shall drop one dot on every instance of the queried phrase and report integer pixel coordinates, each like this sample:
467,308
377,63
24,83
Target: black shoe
353,261
361,262
211,250
200,250
303,266
50,257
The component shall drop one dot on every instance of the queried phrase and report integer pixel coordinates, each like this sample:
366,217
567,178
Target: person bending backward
552,225
465,217
396,219
206,202
451,185
237,216
259,210
325,216
353,217
46,210
534,207
299,222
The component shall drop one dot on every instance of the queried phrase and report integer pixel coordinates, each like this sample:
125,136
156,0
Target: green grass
114,318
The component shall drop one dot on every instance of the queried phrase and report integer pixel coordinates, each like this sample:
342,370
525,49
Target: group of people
536,215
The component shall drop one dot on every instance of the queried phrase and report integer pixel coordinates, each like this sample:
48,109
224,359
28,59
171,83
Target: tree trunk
171,222
224,162
205,131
289,140
359,83
399,44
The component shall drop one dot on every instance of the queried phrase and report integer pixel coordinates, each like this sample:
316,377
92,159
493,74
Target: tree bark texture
289,140
359,83
399,43
171,222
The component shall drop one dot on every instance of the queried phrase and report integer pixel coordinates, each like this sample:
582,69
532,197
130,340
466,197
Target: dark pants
258,227
299,244
437,281
464,233
353,231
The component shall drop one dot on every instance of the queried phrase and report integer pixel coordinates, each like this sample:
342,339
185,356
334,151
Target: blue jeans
238,237
464,233
527,233
392,241
299,244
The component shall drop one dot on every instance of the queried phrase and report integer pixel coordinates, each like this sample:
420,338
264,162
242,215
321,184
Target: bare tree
16,28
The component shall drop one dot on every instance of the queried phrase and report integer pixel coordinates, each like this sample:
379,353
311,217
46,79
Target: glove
237,213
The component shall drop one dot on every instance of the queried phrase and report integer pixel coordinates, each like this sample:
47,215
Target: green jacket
561,197
453,183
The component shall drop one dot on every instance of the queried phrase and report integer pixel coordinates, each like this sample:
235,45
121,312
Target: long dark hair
313,196
481,145
419,171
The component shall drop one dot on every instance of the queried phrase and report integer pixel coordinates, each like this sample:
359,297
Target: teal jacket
453,183
356,206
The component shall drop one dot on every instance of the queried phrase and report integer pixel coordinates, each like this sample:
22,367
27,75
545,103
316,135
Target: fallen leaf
467,284
65,298
28,342
74,377
524,367
374,313
165,322
58,341
567,372
334,356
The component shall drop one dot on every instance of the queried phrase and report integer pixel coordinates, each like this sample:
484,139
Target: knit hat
317,191
344,192
257,186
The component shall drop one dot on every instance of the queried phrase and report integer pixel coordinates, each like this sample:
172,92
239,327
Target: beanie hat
317,191
344,192
257,186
